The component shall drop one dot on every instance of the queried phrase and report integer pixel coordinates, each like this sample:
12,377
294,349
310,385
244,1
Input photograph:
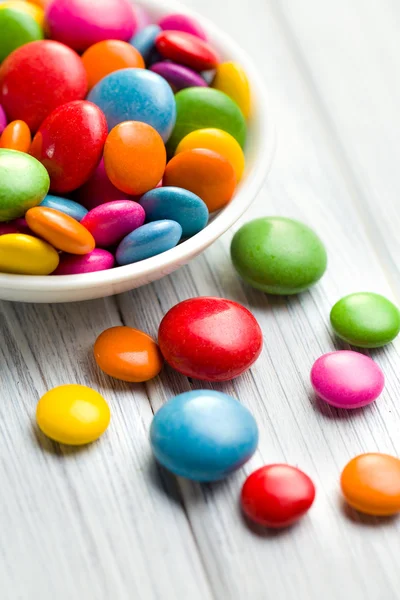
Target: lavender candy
178,76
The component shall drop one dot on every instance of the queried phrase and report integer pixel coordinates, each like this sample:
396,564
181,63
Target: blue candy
203,435
148,240
69,207
177,204
144,40
136,95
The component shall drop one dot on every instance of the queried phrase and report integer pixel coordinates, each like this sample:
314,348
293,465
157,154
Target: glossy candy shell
187,49
16,136
96,260
34,11
148,240
17,28
144,40
98,189
64,205
109,56
112,221
232,80
60,230
179,22
26,255
178,76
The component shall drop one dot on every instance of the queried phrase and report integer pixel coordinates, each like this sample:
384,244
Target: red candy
37,78
186,49
277,495
70,143
210,338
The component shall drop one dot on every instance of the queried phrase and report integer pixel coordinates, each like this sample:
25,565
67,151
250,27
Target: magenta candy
347,379
98,190
178,76
110,222
74,264
178,22
3,120
15,226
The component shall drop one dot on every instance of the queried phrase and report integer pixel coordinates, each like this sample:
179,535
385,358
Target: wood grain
105,522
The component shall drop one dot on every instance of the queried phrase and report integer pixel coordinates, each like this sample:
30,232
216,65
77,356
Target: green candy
278,256
200,108
16,29
24,182
366,320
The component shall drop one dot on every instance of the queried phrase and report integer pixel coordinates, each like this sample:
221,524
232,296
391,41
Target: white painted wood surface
103,522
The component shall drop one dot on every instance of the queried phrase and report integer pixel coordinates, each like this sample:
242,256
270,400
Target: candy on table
278,255
212,339
64,205
16,136
186,49
24,182
109,56
136,95
69,143
147,241
134,157
231,79
3,120
179,22
17,28
98,189
176,204
110,222
82,23
365,319
219,141
178,76
144,40
35,11
277,495
203,435
201,108
128,354
60,230
205,173
371,484
46,65
26,255
73,414
96,260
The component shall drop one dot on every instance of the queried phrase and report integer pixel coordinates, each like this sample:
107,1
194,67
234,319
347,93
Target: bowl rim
245,193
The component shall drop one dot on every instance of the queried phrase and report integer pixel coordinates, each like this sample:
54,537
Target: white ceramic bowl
259,153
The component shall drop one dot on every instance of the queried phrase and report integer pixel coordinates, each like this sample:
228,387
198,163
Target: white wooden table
103,522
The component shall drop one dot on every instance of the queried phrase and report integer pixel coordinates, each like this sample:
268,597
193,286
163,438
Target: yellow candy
231,79
26,255
73,414
219,141
36,12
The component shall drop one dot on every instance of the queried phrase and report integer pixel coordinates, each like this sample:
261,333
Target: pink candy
177,22
97,190
3,120
110,222
347,379
73,264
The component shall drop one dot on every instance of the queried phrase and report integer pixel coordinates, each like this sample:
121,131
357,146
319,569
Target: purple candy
97,190
73,264
3,120
178,22
112,221
178,76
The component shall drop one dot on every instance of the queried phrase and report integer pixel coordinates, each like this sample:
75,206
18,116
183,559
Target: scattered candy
17,28
96,260
366,320
371,484
347,379
178,22
278,255
231,79
147,241
277,495
145,40
64,205
73,414
212,339
128,354
16,136
110,222
178,76
26,255
107,57
203,435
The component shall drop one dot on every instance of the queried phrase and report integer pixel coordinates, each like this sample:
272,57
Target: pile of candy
92,113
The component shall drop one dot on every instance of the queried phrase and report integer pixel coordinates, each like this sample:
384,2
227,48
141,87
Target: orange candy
104,58
16,136
134,157
60,230
205,173
371,484
128,354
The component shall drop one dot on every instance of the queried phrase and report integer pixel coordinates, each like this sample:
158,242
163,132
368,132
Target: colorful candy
186,49
107,57
17,28
98,189
26,255
371,484
64,205
144,40
24,183
70,144
3,120
60,230
178,76
231,79
203,435
33,10
128,354
134,157
147,241
277,495
96,260
212,339
278,255
110,222
347,379
178,22
73,414
16,136
366,320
